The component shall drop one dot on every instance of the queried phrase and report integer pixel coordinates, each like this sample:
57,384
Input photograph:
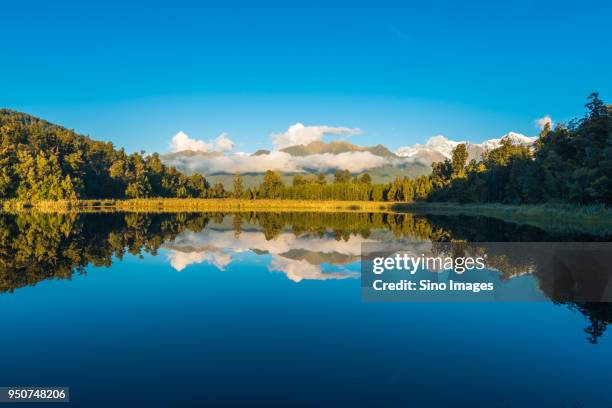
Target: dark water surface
194,309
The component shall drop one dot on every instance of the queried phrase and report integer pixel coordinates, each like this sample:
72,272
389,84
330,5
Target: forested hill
571,163
40,160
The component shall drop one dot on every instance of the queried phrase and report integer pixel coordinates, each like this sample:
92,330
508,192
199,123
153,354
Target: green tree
272,185
139,188
41,178
298,180
44,161
365,178
6,173
197,186
238,186
217,191
342,176
570,163
595,106
321,179
459,160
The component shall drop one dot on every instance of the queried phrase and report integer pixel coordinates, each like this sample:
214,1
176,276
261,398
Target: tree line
571,163
42,161
35,246
345,187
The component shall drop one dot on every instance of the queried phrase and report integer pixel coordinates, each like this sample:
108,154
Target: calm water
189,309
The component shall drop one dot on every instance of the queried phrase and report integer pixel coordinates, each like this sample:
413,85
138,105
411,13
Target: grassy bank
594,219
195,205
555,217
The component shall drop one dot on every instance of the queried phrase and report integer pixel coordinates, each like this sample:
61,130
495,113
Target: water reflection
303,246
299,256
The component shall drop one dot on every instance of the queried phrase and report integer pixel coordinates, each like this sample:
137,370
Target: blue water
241,328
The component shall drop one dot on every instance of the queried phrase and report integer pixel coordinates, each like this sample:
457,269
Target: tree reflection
38,246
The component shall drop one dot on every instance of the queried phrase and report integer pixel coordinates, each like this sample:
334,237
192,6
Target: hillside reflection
303,246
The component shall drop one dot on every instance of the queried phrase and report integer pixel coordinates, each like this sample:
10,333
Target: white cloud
180,260
543,121
275,160
181,142
299,134
223,143
298,270
211,240
355,162
216,247
242,163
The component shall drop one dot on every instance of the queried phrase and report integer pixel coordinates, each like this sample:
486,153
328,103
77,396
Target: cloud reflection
300,258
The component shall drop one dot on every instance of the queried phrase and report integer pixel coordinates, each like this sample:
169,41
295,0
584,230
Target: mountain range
333,147
318,156
439,148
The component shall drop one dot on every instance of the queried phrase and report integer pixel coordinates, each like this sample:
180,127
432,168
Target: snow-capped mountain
439,147
515,138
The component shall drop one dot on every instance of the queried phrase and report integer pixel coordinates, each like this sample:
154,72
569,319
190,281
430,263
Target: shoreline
198,205
559,217
594,219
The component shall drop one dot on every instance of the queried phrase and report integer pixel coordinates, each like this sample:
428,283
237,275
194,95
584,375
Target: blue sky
138,73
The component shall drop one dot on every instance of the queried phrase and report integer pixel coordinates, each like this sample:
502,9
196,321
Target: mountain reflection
303,246
298,256
37,246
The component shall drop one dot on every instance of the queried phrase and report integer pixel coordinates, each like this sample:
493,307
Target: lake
208,308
